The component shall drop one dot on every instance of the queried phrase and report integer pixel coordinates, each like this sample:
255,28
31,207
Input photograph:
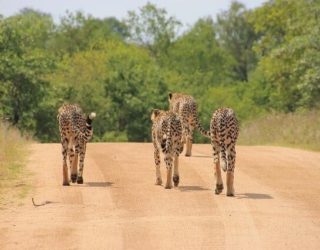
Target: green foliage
152,28
79,79
78,32
289,49
27,30
254,61
134,86
23,64
237,96
115,136
237,36
198,58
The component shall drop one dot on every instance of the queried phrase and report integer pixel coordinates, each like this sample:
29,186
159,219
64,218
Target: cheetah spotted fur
166,137
186,108
75,131
224,130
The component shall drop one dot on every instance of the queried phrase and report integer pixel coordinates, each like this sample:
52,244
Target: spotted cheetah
166,136
224,131
186,107
75,131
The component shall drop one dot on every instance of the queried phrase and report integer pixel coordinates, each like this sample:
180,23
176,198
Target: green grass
13,175
299,130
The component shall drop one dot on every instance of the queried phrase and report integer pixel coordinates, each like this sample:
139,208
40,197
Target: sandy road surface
277,202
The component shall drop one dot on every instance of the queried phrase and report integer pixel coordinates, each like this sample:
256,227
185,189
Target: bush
115,136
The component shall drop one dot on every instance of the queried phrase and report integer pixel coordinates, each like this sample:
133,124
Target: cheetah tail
90,118
205,133
92,115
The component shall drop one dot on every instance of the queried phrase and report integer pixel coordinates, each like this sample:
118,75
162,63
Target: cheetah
166,136
224,131
75,131
186,107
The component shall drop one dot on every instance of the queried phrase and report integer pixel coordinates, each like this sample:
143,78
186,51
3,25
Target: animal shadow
99,184
254,196
202,156
191,188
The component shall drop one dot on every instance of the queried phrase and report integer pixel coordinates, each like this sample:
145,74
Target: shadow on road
99,184
201,156
191,188
254,196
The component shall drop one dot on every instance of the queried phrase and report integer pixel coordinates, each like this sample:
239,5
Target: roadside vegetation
300,129
263,62
13,175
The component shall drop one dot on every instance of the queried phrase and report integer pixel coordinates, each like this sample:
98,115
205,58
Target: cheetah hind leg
80,180
230,188
218,177
158,176
74,173
158,181
73,178
189,141
74,168
168,161
169,176
224,160
64,163
188,147
219,188
176,177
157,162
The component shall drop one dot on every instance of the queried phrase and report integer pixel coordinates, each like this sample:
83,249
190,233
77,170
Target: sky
186,11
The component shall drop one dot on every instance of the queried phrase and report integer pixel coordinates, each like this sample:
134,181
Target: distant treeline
255,61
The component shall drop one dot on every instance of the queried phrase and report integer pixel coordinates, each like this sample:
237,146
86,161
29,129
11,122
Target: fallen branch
41,204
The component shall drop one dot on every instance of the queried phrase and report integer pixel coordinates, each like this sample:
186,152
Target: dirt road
277,203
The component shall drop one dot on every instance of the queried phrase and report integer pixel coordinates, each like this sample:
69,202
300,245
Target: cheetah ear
155,113
170,96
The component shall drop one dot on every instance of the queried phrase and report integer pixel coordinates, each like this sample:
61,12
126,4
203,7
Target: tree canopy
254,61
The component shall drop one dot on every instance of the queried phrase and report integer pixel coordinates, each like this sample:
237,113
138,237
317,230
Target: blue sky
186,11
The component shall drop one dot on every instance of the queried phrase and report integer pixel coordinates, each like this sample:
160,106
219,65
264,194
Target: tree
78,32
237,36
135,86
289,51
198,57
23,65
152,28
79,78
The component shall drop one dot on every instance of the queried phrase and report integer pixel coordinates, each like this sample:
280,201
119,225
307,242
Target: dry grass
13,176
300,130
